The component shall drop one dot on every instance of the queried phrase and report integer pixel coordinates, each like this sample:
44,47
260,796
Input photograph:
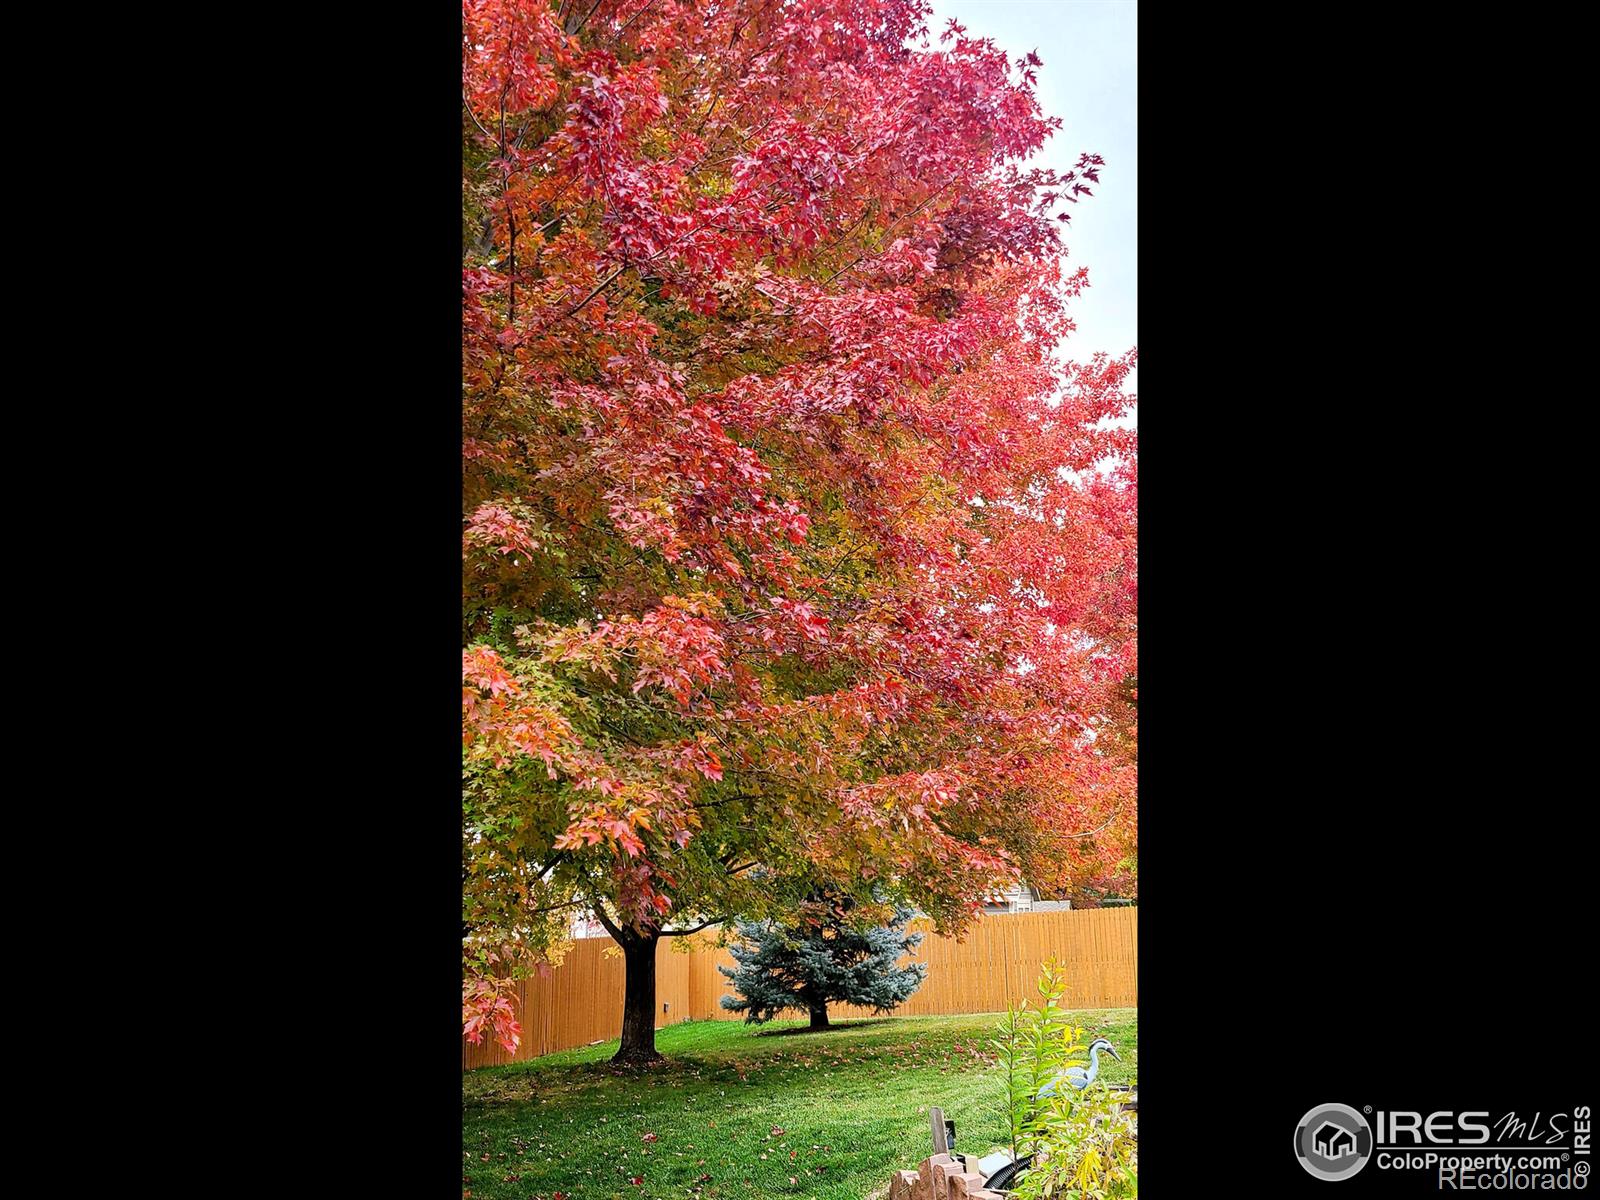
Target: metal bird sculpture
1077,1077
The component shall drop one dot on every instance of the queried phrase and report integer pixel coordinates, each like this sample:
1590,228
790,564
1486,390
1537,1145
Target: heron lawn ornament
1077,1077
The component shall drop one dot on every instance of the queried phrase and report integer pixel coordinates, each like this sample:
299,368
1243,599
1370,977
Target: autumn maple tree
795,553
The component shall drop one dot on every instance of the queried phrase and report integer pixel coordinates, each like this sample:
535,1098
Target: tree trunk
819,1016
638,999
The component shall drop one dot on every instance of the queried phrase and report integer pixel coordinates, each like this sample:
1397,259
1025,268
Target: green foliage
820,955
1084,1147
1033,1045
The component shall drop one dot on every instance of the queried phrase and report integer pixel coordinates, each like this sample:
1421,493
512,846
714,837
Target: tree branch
585,21
618,36
474,117
600,911
931,198
1115,813
557,907
696,929
599,287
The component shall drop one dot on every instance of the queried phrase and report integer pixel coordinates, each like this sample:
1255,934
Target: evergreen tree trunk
819,1016
638,998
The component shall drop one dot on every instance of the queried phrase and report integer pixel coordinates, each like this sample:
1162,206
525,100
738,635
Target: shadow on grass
837,1027
588,1082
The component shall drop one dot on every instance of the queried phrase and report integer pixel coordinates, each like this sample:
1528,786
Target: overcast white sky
1089,80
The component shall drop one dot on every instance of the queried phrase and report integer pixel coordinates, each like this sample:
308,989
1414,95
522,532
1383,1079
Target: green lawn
738,1112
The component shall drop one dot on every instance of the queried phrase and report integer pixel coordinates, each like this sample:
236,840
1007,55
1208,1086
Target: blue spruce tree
821,956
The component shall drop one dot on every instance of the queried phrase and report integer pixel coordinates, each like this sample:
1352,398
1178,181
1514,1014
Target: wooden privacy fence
581,1000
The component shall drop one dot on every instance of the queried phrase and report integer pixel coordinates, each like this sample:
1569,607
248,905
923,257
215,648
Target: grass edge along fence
580,1001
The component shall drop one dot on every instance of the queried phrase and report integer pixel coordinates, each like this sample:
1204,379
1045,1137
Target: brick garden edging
942,1177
